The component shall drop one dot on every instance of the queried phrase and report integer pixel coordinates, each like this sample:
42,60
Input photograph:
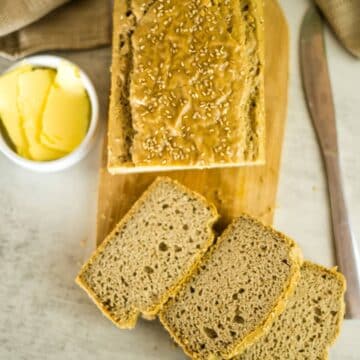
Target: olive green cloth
344,18
30,26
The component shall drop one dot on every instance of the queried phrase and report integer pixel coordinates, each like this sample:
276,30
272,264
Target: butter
9,113
67,112
31,105
45,112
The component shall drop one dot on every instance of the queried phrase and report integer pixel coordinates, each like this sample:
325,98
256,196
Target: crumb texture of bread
311,321
153,249
240,287
187,85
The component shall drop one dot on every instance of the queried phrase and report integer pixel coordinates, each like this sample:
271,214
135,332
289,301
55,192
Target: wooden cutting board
247,189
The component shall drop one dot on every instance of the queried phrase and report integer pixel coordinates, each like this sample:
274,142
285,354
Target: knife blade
317,87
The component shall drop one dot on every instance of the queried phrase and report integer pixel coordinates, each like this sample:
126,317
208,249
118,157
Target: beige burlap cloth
344,18
29,26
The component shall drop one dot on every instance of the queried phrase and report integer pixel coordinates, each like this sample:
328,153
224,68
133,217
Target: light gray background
47,228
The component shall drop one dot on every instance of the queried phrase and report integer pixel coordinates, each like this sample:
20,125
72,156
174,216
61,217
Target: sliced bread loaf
311,321
187,85
240,287
150,252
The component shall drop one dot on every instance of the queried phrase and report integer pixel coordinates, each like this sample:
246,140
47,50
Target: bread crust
118,149
120,134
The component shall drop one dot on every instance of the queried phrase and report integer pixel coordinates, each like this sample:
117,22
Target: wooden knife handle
346,247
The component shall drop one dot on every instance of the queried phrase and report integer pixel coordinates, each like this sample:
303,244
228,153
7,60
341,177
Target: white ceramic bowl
80,152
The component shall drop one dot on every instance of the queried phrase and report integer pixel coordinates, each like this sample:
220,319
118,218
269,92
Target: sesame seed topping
184,82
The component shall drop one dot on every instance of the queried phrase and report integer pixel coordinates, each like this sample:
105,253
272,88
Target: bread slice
187,85
241,286
311,321
152,250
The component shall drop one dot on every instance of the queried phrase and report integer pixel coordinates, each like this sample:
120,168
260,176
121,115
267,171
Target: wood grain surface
249,189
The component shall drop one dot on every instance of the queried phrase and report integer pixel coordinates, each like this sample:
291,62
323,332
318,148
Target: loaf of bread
311,321
187,85
153,249
242,284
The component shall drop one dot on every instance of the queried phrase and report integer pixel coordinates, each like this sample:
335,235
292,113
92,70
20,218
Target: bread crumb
144,259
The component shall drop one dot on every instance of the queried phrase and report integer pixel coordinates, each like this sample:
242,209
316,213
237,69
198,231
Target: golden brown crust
150,312
297,260
257,7
118,151
120,135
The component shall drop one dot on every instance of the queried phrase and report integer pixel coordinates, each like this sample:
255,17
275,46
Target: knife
317,87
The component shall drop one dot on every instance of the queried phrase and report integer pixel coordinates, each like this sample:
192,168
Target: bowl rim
53,61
